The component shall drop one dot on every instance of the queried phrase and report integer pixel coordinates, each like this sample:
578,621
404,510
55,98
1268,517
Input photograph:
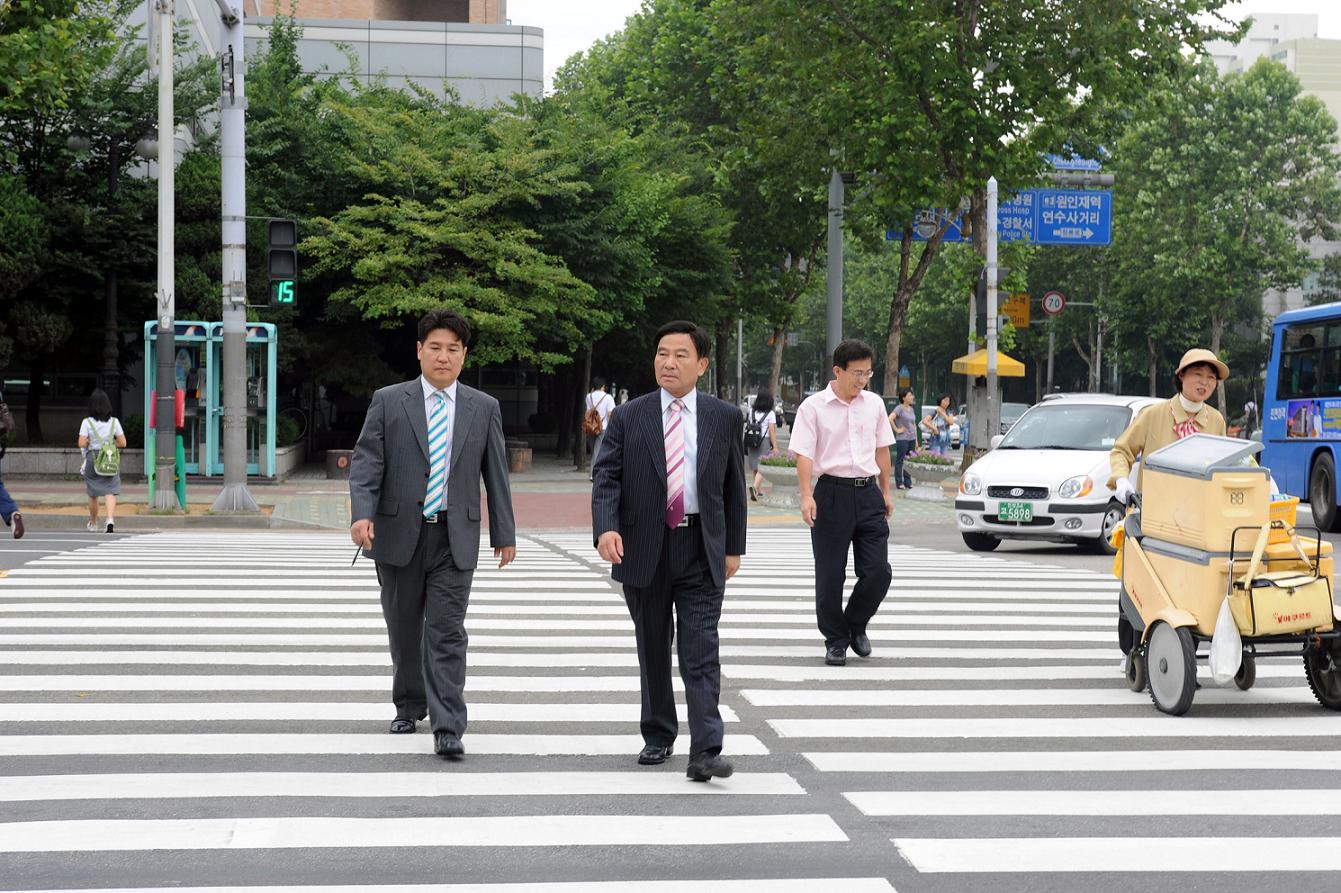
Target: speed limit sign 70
1053,302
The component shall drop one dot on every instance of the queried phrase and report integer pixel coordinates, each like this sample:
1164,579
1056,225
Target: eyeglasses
860,375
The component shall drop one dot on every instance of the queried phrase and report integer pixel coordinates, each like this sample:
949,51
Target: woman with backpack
101,438
761,438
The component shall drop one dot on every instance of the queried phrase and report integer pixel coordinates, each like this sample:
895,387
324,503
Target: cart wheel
980,542
1324,675
1171,662
1247,673
1136,676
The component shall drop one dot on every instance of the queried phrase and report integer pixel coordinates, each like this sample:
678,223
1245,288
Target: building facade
475,12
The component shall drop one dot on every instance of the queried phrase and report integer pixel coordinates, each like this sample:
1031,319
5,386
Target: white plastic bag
1226,646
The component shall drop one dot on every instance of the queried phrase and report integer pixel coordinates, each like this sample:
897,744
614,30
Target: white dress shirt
689,424
450,393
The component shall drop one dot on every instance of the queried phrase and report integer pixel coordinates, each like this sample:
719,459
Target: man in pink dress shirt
841,440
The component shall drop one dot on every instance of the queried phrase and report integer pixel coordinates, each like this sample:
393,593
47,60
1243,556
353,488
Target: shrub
133,425
927,459
787,461
286,431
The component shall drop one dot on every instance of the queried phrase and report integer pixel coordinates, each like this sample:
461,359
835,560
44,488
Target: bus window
1329,374
1298,374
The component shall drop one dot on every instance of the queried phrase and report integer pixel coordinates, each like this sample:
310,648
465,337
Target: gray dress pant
424,605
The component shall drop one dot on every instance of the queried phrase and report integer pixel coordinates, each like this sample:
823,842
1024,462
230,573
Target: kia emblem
1016,491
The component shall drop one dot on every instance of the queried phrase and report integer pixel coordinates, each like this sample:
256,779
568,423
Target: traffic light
282,260
980,298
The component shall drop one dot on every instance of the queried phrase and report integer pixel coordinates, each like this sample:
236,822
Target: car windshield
1062,426
1013,410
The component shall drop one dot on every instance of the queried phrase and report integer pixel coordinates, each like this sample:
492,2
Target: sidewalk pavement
553,495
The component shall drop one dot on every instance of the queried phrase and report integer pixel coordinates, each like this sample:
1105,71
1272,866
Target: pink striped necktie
675,465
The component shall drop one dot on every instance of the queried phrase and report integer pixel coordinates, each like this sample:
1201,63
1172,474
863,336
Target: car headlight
970,484
1073,488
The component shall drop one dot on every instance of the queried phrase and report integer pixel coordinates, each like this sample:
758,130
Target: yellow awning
975,364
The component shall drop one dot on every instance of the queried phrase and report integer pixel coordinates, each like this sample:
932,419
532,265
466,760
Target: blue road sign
1074,163
1040,216
1074,217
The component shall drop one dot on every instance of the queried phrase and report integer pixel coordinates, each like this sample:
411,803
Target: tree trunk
775,365
903,296
1087,356
1217,334
1152,356
580,440
33,412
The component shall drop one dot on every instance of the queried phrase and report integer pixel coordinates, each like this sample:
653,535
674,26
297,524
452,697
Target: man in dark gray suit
414,492
668,511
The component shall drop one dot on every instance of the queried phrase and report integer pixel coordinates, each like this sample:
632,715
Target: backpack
107,460
591,421
754,432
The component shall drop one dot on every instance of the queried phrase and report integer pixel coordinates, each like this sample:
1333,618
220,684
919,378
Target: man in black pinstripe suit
668,512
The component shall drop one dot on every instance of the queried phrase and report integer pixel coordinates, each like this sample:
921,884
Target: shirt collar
1181,415
429,390
830,395
690,400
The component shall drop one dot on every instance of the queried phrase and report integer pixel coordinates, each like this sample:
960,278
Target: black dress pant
848,515
424,605
682,580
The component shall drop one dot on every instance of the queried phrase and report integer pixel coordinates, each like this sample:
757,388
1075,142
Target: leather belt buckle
688,521
437,518
860,482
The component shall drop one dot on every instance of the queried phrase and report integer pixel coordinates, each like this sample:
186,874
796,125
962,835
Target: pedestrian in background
938,422
841,438
414,495
668,512
761,437
100,430
9,510
596,418
904,420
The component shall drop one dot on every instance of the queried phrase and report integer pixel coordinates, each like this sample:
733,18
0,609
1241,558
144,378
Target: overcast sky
573,25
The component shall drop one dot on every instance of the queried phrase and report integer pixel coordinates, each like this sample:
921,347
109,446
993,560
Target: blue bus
1301,409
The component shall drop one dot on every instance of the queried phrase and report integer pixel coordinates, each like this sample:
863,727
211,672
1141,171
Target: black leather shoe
448,746
655,754
703,766
835,656
401,726
861,644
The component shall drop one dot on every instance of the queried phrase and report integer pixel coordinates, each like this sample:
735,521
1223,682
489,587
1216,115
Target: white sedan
1047,479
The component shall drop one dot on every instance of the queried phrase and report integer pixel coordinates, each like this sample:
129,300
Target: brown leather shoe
16,521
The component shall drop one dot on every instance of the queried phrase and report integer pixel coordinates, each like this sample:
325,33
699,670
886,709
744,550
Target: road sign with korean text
1074,217
1016,308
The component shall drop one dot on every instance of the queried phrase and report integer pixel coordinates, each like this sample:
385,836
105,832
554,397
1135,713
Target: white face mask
1188,405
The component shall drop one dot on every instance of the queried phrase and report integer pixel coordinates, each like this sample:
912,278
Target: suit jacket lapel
650,419
413,404
465,410
707,424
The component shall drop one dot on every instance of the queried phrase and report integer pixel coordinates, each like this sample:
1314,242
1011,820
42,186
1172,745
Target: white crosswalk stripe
233,700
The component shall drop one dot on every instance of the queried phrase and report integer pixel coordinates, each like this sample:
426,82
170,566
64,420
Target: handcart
1206,529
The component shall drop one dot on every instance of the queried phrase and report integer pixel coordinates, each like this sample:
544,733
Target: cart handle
1258,549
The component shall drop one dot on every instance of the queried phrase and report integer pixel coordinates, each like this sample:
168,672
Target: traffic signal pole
234,498
165,434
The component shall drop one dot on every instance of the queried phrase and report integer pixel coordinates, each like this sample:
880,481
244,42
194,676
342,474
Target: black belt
439,518
688,521
848,482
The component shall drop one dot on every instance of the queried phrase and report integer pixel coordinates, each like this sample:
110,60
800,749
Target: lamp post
165,495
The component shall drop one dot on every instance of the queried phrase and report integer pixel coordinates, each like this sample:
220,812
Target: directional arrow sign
1074,217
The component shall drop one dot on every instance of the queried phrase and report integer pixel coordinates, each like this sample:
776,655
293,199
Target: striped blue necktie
437,455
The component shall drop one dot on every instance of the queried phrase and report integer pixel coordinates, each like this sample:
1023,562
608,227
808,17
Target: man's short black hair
442,318
850,351
702,344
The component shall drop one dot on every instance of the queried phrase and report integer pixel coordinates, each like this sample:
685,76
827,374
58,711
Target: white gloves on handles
1124,491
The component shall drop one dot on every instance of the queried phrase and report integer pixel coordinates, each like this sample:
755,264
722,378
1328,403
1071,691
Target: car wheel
1113,516
1322,494
980,542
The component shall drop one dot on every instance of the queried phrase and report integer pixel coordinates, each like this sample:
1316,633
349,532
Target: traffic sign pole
1053,303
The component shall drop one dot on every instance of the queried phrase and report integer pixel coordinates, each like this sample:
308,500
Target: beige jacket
1154,428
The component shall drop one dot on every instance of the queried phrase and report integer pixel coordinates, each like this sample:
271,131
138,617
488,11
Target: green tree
935,98
1221,184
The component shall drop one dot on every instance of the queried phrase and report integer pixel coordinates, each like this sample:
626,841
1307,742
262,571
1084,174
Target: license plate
1015,511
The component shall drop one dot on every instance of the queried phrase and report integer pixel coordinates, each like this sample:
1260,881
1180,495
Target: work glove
1124,491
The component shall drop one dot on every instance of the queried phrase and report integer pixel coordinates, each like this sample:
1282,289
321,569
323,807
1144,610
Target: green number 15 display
282,291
